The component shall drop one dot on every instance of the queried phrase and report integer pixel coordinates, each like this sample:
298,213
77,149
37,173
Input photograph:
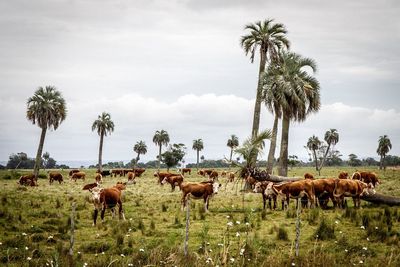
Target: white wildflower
26,248
130,229
228,216
335,242
208,243
337,222
241,252
361,262
141,250
365,248
230,224
122,255
210,250
130,219
247,224
96,255
29,258
293,264
346,250
103,253
362,227
232,259
340,232
79,252
237,234
127,235
1,243
367,238
24,234
220,244
237,222
376,227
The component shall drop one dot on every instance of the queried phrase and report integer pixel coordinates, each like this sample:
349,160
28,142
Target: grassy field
35,224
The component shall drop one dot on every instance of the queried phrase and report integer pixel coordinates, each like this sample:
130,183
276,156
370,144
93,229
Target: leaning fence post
297,242
187,225
71,242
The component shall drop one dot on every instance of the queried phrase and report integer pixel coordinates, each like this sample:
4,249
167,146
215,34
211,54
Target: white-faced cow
203,190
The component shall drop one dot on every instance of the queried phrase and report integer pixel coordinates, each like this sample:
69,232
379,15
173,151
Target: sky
178,65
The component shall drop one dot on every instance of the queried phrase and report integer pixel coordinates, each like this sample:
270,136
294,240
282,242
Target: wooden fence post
187,225
297,242
72,240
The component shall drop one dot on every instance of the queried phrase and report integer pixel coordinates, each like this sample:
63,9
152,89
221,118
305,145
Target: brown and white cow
201,172
366,177
90,186
208,172
297,189
139,171
162,175
71,172
98,178
28,179
343,175
116,172
186,170
78,175
213,176
323,189
260,187
350,188
107,198
251,181
55,176
131,178
224,173
175,180
231,177
203,190
308,176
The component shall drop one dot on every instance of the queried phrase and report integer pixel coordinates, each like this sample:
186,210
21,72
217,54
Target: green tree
297,92
314,144
353,160
140,148
45,159
268,38
198,146
232,143
103,125
47,108
173,155
384,145
331,138
160,138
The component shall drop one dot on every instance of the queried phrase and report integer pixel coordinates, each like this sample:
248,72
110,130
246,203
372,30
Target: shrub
325,231
282,234
312,216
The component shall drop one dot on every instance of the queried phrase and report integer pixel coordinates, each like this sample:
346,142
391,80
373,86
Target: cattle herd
312,192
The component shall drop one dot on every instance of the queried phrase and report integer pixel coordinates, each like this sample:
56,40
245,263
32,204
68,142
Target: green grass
35,224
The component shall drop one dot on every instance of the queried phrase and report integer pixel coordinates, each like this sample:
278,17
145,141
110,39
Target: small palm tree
198,146
314,144
103,125
252,147
331,138
160,138
47,108
268,38
140,148
233,142
384,145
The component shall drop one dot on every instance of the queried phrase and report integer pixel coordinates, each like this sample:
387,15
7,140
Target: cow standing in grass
260,187
55,176
78,175
203,190
176,180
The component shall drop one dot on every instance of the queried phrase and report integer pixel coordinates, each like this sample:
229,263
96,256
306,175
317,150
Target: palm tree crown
140,148
161,138
47,108
332,137
104,125
313,143
233,141
384,145
198,144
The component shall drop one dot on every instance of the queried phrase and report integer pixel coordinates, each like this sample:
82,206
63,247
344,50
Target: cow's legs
265,200
121,211
206,203
103,210
183,201
95,216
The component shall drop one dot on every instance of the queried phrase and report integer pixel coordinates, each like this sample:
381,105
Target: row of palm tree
285,87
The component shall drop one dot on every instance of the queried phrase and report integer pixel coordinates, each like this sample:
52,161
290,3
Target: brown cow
208,172
350,188
173,181
251,181
343,175
78,175
186,170
295,190
260,188
308,176
231,177
162,175
107,198
98,178
201,172
139,171
55,176
90,186
71,172
213,176
199,190
366,177
224,173
117,172
131,177
28,179
323,189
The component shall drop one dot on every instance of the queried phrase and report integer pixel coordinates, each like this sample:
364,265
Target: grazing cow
308,176
213,176
186,170
201,172
343,175
260,187
131,177
55,176
78,175
199,190
323,189
104,198
28,179
208,172
116,172
231,177
251,181
90,186
173,181
139,171
350,188
295,190
71,172
98,178
104,173
224,173
366,177
162,175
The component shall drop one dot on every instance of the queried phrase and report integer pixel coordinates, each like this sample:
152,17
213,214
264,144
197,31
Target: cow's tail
334,189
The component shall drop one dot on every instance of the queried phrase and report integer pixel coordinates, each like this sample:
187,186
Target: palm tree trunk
257,106
283,156
230,158
272,146
381,163
321,164
101,151
136,161
39,153
159,159
316,160
197,165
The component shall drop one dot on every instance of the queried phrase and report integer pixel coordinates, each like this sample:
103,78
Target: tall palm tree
314,144
160,138
331,138
103,125
47,108
233,142
140,148
384,145
269,38
297,92
198,146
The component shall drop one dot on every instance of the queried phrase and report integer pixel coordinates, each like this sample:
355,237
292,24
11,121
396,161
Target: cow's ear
90,190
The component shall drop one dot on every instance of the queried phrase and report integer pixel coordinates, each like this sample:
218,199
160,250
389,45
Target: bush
282,234
325,231
312,216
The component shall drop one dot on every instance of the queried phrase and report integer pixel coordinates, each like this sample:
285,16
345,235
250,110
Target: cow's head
155,174
120,186
269,190
216,187
258,188
96,192
165,180
367,189
132,181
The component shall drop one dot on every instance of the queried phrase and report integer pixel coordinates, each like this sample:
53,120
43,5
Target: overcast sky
177,65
